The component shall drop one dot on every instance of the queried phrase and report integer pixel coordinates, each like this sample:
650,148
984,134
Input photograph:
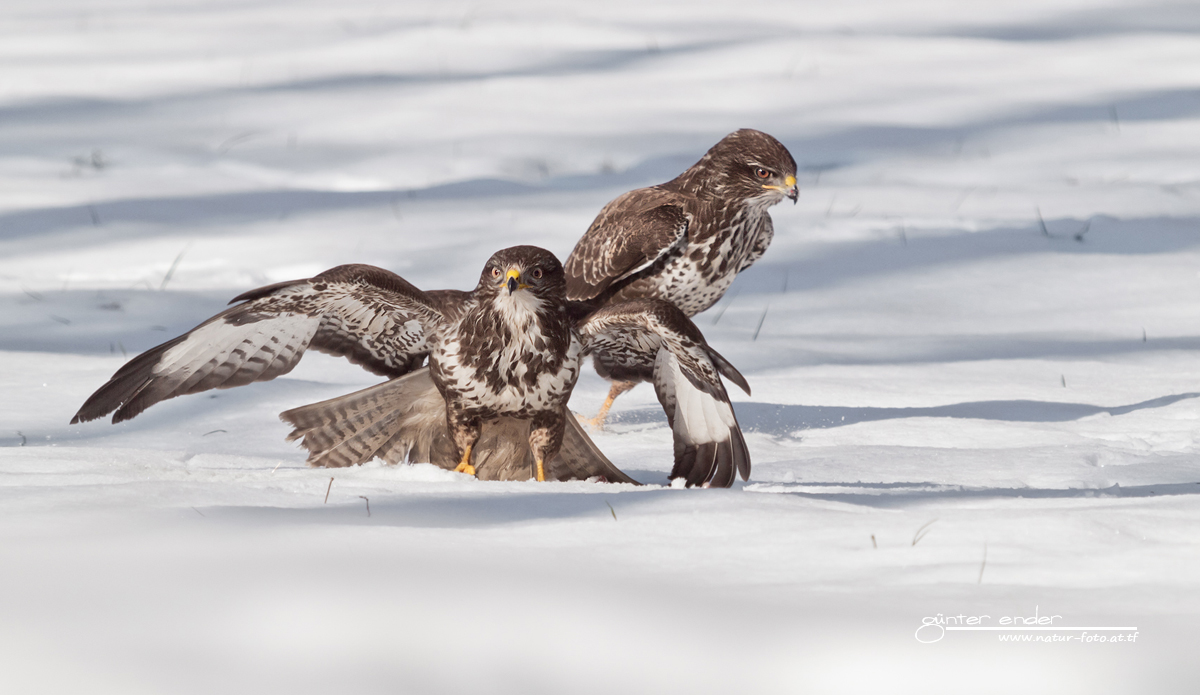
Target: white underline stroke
1059,629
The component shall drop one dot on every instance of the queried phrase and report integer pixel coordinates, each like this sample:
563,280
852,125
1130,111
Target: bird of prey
683,241
505,355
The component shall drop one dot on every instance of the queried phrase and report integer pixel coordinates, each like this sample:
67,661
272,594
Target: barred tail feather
405,420
397,420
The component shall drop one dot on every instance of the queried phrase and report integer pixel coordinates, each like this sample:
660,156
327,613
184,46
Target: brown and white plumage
708,443
371,316
503,361
507,348
683,241
399,420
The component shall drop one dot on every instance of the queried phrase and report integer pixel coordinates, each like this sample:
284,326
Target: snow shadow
1161,18
122,322
815,152
862,144
913,249
946,349
555,64
786,420
781,420
181,215
452,511
906,493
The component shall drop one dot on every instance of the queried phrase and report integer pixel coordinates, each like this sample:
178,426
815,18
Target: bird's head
523,275
749,165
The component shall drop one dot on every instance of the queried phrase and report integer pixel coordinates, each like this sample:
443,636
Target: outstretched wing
709,447
371,316
631,235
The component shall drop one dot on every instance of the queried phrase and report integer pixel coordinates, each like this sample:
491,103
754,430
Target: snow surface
972,346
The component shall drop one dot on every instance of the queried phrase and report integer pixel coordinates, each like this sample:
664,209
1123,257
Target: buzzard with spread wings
503,360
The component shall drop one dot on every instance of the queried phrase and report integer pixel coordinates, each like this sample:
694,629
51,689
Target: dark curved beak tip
512,285
794,195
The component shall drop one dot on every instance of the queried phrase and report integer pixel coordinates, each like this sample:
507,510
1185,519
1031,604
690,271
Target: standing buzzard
507,354
683,241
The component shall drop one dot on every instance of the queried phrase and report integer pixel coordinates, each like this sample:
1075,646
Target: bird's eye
762,173
495,272
537,273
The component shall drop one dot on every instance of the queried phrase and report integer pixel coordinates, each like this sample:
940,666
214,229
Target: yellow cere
514,273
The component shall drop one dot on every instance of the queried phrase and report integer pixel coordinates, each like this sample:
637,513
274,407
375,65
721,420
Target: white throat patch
518,308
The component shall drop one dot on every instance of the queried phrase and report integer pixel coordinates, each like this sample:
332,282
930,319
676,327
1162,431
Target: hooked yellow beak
513,280
789,190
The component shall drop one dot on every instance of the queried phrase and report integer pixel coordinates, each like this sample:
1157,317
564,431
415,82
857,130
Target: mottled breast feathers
685,240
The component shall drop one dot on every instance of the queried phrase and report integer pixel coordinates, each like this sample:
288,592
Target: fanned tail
398,420
405,420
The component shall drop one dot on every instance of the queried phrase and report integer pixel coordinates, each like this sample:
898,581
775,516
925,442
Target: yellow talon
465,466
541,472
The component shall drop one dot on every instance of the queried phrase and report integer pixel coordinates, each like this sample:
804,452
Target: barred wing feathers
709,447
632,234
398,419
372,317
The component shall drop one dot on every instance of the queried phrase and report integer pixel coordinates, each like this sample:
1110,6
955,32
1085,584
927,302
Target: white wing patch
699,418
218,351
368,315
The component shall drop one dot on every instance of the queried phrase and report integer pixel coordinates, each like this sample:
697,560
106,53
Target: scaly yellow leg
598,421
465,466
618,387
541,471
